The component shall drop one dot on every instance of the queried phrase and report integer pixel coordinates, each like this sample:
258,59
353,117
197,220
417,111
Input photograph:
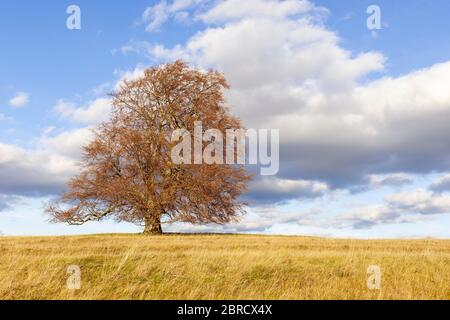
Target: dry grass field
222,267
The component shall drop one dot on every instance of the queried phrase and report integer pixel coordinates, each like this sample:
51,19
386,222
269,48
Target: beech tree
127,172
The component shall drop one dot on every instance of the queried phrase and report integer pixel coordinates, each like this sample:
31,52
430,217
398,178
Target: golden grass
222,267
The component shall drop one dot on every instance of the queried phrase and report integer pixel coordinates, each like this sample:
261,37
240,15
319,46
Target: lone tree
127,171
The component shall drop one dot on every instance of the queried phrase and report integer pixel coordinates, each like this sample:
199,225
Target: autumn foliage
127,172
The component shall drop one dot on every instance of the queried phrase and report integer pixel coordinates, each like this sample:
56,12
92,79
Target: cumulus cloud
442,184
94,112
420,201
31,172
392,180
129,75
337,126
397,208
155,16
66,143
44,169
272,190
20,100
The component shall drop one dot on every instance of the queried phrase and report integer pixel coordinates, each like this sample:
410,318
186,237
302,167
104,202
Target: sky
362,113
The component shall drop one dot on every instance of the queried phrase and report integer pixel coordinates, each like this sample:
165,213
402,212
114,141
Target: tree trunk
152,226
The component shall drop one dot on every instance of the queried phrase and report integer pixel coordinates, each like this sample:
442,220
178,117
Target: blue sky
333,183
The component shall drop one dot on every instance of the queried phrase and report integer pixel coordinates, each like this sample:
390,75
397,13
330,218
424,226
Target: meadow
222,267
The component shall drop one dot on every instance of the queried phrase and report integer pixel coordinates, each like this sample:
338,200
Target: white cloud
129,75
367,216
397,208
232,10
155,16
20,100
66,143
393,180
94,112
288,71
37,171
271,190
442,184
420,201
181,16
45,167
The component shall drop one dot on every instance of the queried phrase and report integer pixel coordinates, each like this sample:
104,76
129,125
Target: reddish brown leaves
127,171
